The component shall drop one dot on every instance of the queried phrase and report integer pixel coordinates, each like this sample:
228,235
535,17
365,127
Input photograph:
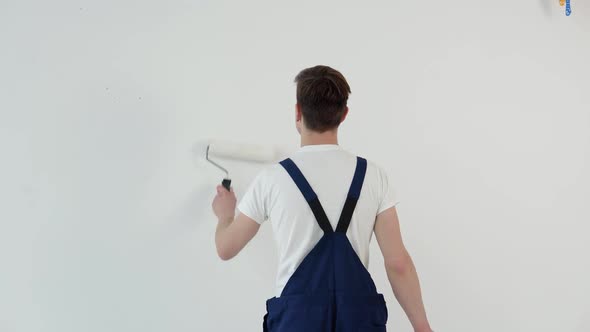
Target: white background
480,111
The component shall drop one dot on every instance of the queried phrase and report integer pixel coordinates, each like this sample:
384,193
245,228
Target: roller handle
226,183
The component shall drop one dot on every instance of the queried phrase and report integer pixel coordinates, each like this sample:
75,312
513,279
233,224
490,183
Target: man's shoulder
375,166
269,171
376,173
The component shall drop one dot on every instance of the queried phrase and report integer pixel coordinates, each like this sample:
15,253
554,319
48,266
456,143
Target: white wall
480,110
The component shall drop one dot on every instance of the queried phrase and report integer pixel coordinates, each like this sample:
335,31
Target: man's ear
344,115
298,118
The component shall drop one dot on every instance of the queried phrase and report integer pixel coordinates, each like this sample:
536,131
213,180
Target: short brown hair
322,93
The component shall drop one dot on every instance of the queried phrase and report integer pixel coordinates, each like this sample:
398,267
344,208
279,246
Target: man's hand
224,204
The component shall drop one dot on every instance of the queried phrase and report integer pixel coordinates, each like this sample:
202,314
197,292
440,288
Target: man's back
329,170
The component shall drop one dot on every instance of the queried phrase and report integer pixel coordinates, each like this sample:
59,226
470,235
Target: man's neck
313,138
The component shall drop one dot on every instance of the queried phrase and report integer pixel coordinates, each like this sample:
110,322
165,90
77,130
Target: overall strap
353,195
309,194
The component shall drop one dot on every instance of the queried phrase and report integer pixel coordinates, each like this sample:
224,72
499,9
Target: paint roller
237,151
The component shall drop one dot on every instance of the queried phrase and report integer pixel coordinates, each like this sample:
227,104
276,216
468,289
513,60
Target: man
324,204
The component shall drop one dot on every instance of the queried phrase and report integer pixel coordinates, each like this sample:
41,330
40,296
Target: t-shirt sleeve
254,203
388,197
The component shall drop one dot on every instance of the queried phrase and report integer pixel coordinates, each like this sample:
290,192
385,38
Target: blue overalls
330,290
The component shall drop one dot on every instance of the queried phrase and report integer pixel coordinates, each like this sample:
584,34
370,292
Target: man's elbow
225,256
399,265
225,253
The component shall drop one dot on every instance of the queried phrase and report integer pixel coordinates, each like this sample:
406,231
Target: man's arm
232,234
400,269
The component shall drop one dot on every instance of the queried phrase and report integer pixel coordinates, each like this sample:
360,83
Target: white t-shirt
329,170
